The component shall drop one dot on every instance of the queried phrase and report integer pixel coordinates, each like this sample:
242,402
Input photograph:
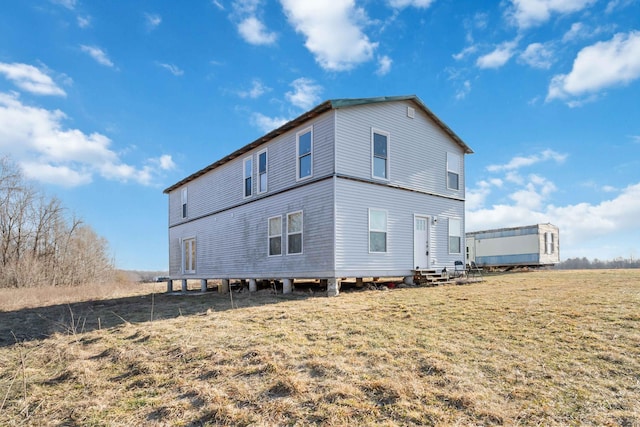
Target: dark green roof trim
316,111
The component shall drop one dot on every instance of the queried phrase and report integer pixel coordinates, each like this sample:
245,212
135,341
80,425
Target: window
548,241
304,151
184,203
275,236
455,236
248,176
377,230
294,233
262,171
453,171
380,154
189,255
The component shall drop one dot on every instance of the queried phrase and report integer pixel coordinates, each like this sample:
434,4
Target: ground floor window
455,236
294,233
275,236
377,230
189,255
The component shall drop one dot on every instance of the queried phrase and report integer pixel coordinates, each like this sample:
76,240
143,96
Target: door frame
428,242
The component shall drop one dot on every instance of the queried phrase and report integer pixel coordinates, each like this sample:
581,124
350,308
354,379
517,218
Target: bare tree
39,244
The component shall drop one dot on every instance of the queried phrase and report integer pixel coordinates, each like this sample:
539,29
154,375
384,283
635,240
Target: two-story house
353,188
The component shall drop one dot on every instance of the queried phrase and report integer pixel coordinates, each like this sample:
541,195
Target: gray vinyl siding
417,148
234,243
353,201
222,188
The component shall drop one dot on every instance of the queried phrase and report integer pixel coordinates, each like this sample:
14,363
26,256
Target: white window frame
270,236
184,207
458,222
265,173
193,255
373,156
452,169
379,230
245,177
298,157
301,233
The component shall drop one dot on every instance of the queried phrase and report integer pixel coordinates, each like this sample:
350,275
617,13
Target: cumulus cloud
250,26
463,90
98,54
69,4
602,65
257,90
305,93
31,79
333,31
384,65
530,13
265,123
537,55
50,152
499,56
84,21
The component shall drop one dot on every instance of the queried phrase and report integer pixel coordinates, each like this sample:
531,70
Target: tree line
41,244
585,264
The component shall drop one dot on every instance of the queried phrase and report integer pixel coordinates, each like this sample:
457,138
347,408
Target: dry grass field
541,348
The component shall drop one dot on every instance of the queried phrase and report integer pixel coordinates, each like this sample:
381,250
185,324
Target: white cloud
165,162
257,90
152,20
267,124
254,31
537,55
98,54
333,32
69,4
529,13
173,69
384,65
465,52
577,31
305,94
49,152
464,90
604,64
31,79
519,162
500,55
217,4
84,21
399,4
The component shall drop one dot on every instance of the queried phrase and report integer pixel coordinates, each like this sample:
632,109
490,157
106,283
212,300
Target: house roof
332,104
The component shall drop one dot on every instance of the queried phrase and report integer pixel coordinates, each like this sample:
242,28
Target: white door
421,242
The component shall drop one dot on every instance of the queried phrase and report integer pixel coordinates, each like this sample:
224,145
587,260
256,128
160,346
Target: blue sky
106,103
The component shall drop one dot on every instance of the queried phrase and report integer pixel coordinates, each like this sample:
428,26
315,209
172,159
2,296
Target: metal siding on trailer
512,245
417,148
518,259
353,201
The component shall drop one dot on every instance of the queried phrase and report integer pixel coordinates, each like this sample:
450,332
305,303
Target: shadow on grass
78,317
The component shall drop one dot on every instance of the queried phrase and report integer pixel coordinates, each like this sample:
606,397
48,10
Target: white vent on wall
411,112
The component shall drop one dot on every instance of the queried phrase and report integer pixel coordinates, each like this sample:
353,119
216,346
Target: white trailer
528,246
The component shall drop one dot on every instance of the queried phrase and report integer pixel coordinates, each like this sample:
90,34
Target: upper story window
248,176
184,202
304,153
455,236
379,154
377,230
453,171
262,171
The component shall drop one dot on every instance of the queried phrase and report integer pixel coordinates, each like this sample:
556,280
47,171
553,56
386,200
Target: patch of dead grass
544,348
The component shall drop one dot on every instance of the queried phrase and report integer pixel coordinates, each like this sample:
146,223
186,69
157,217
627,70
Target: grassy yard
543,348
